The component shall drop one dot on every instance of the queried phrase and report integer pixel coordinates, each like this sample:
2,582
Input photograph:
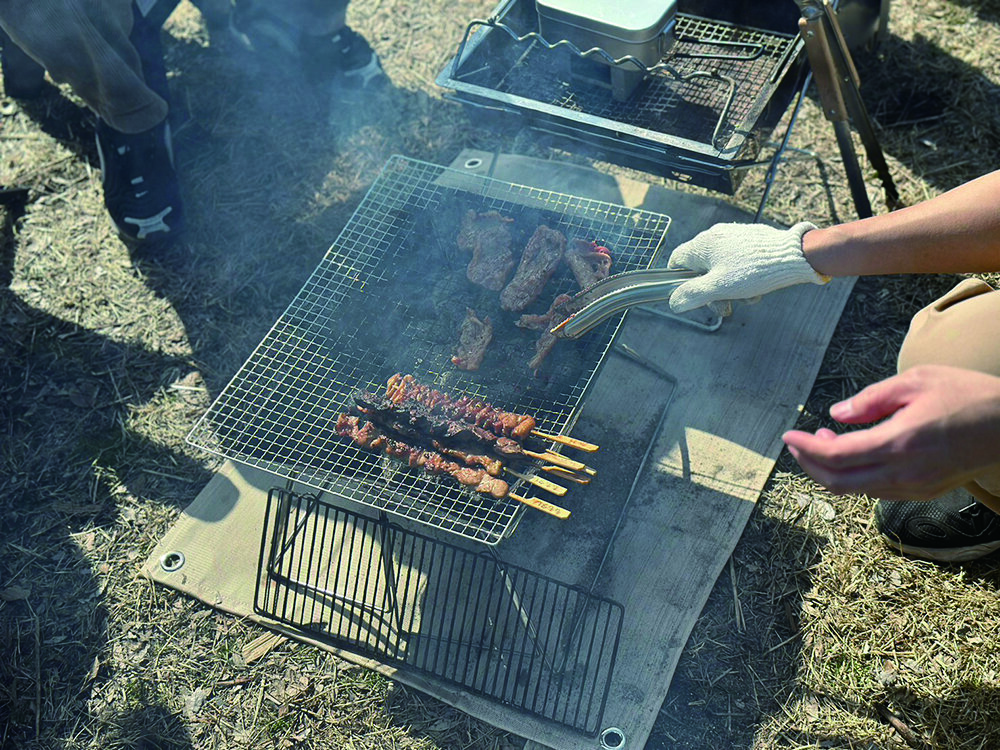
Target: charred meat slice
589,262
544,323
538,262
487,236
474,336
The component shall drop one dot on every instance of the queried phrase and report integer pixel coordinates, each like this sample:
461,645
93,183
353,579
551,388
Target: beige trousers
961,329
85,43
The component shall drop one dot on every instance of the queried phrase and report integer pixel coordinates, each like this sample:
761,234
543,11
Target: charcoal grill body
730,72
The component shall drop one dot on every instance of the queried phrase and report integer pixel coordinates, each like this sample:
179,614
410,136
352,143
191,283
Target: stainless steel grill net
389,297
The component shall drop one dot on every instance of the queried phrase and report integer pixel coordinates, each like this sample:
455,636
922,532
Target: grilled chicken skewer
416,419
403,388
479,472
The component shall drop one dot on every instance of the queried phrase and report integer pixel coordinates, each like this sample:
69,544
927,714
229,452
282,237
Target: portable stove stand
495,629
838,84
692,122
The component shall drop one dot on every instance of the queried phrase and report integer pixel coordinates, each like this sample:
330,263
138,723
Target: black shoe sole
944,554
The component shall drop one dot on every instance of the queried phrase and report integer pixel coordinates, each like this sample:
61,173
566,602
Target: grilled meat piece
487,237
400,388
589,262
539,260
544,323
474,336
490,465
367,435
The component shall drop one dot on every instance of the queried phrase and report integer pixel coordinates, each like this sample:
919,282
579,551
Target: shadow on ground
271,169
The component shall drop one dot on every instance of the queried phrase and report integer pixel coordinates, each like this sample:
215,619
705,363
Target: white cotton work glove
740,262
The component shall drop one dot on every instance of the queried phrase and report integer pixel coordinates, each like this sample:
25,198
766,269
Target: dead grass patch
814,637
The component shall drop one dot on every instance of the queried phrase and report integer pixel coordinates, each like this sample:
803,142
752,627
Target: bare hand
941,429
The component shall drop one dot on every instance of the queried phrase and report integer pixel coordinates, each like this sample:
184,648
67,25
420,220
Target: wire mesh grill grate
388,297
664,106
472,620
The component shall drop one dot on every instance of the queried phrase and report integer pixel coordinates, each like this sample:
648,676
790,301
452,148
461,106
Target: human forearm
956,232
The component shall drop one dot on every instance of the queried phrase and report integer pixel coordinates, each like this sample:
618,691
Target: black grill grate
469,619
387,298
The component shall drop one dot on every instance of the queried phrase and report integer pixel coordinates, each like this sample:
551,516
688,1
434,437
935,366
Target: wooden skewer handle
566,474
556,489
568,463
534,502
580,445
557,459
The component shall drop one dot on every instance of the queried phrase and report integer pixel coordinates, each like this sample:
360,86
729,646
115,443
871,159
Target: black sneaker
345,57
140,185
952,528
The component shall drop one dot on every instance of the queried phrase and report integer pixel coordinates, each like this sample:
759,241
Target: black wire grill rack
389,297
414,602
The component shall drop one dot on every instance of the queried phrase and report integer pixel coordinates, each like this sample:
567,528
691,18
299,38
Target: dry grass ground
815,636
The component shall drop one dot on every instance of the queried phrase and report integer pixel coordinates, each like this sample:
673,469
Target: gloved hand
741,262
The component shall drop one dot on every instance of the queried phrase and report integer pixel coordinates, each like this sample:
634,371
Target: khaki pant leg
85,44
961,329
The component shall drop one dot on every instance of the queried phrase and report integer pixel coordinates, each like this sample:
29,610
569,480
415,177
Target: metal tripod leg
838,84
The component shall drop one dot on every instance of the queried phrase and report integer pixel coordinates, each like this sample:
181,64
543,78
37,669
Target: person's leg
85,43
961,329
316,32
112,60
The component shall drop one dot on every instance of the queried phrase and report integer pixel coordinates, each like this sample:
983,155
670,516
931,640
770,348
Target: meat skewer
414,419
367,435
465,408
408,424
401,388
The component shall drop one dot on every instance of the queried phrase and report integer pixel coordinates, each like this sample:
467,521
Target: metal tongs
600,301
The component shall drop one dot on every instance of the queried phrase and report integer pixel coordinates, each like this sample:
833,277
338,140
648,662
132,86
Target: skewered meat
538,262
473,338
400,388
556,314
369,436
490,465
589,262
414,419
487,237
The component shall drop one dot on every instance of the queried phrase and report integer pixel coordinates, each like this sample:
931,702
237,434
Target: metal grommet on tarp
474,163
171,562
612,738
